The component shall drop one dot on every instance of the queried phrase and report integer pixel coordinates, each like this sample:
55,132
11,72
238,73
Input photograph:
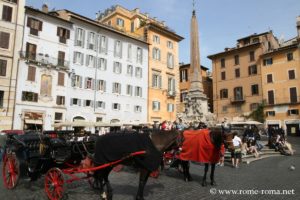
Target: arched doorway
78,129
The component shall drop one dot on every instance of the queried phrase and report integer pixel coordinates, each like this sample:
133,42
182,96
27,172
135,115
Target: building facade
11,32
163,58
237,76
185,84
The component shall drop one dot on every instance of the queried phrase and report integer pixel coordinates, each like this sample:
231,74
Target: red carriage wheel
154,174
55,184
10,171
118,168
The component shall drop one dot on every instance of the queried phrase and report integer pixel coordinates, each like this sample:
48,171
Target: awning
80,123
33,121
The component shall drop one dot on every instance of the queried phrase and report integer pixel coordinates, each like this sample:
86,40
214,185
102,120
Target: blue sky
221,22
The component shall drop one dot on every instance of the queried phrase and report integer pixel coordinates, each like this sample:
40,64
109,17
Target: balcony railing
282,101
171,93
235,100
44,59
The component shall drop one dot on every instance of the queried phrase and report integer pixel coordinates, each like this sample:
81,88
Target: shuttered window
271,97
4,40
3,65
269,78
292,74
61,58
63,34
31,73
35,25
293,95
61,79
7,13
30,51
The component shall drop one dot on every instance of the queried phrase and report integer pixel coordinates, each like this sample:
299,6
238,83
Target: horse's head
217,136
163,139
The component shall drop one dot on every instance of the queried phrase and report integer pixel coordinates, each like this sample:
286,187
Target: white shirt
236,141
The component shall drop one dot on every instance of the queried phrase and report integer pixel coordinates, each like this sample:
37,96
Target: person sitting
252,148
244,148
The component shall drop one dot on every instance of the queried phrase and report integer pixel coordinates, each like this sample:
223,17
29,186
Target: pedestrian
236,154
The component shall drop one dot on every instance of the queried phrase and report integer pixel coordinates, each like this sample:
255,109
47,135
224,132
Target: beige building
237,81
185,84
281,86
11,31
163,76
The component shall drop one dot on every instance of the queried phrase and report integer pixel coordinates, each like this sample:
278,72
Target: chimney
146,14
137,10
45,8
298,26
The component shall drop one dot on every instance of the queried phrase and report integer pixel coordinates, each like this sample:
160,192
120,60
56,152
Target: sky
221,22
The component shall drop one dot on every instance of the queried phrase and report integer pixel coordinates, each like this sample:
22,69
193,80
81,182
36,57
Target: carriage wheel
54,184
118,168
10,171
154,174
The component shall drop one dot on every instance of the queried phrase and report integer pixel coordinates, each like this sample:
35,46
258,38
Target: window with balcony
254,89
269,78
61,79
7,13
129,90
102,63
156,81
61,58
293,95
3,67
34,25
116,106
252,56
224,93
289,56
170,60
271,99
118,49
155,105
63,34
4,40
139,55
291,74
138,72
238,94
79,37
30,51
29,96
101,85
184,75
156,54
236,60
60,100
116,88
252,70
237,73
138,91
117,68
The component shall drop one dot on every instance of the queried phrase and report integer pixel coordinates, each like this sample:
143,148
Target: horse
113,146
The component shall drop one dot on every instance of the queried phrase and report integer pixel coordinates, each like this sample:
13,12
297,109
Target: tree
258,114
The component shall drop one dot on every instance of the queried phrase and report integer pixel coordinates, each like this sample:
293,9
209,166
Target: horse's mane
217,136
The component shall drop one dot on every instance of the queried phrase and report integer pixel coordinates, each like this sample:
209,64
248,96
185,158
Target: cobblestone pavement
272,173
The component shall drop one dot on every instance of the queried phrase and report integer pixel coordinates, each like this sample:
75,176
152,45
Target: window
77,81
271,97
116,106
61,79
116,88
156,39
129,70
61,58
101,85
289,56
237,73
7,13
293,95
46,85
170,61
30,51
4,40
252,56
88,103
100,104
224,94
58,116
183,75
129,52
117,68
170,107
90,61
224,109
60,100
238,108
29,96
118,49
170,44
255,40
91,40
183,96
63,34
139,56
35,26
129,90
75,101
155,105
138,72
238,94
222,62
138,91
31,73
293,112
103,44
253,106
101,64
78,58
270,113
156,54
89,83
254,89
120,22
252,70
291,74
3,66
171,86
137,108
132,27
79,37
269,78
268,61
236,59
156,80
223,75
1,98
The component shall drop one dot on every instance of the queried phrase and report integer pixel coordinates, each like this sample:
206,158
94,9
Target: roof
188,65
280,49
164,30
254,35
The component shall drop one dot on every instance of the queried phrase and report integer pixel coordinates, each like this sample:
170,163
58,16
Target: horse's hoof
213,183
204,184
188,179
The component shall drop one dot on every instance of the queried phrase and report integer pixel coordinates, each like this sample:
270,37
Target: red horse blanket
197,146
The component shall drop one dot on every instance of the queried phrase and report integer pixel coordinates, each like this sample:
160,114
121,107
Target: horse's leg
186,171
212,174
144,174
109,189
204,183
